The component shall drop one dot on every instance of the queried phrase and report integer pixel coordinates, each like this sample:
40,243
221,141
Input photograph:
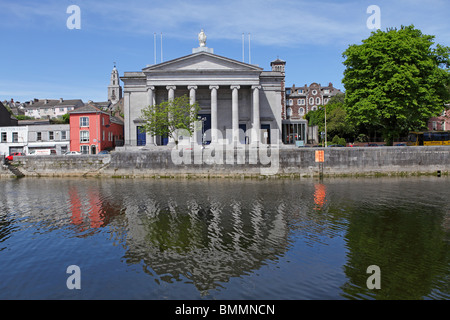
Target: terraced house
48,108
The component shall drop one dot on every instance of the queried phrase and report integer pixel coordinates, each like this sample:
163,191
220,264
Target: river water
225,238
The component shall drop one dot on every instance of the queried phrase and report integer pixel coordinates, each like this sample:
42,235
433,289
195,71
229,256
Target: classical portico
232,95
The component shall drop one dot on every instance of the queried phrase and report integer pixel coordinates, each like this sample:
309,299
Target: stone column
151,102
128,121
235,112
192,99
214,126
171,97
256,132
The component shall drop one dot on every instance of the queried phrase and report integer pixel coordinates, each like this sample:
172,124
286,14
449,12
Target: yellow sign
320,156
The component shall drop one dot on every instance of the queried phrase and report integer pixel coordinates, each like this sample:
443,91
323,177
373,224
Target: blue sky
42,58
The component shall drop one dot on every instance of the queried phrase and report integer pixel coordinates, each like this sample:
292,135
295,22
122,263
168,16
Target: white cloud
282,23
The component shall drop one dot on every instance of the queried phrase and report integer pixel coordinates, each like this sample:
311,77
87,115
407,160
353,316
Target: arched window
317,100
289,112
311,100
301,111
313,108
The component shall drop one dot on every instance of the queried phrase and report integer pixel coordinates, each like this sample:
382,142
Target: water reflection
202,240
320,194
303,239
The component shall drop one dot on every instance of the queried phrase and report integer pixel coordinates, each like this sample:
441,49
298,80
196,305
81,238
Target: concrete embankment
283,162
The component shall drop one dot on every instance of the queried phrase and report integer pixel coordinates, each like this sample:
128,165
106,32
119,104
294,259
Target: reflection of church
232,95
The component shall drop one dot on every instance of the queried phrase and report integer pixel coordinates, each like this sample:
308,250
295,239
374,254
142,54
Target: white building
52,136
232,95
13,139
48,108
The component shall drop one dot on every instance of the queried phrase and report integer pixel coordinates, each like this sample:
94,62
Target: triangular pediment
202,61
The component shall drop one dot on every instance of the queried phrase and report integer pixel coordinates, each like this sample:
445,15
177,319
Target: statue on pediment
202,38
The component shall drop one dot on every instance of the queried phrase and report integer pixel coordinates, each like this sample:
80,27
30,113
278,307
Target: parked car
400,145
70,153
14,154
336,146
104,152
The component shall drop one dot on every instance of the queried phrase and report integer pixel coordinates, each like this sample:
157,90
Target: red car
12,155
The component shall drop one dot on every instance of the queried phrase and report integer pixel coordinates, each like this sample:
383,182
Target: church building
239,102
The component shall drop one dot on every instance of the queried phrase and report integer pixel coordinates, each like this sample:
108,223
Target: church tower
114,88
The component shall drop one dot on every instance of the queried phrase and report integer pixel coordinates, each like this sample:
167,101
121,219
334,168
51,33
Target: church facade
239,102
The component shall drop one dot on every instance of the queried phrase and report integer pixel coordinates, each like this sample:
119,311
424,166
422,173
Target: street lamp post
325,125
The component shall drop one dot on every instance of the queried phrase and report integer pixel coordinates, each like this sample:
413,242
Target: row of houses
90,131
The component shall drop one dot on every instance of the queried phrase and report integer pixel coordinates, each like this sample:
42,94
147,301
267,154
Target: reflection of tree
405,243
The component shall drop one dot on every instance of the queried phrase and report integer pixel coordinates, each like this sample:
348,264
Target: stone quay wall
270,162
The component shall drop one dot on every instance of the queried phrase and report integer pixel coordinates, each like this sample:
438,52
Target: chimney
61,100
45,101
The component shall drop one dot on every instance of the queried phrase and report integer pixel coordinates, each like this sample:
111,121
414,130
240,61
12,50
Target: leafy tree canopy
396,80
165,118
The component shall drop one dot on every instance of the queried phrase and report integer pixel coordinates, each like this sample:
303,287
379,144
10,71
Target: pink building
441,123
93,130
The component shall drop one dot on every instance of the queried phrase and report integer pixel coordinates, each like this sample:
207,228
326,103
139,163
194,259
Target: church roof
202,61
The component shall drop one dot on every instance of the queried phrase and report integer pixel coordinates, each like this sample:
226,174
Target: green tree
395,81
337,123
166,118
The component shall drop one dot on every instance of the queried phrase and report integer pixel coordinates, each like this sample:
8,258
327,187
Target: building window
301,111
300,91
4,137
38,136
84,136
84,149
311,100
84,122
314,108
63,135
314,92
301,102
434,125
289,112
15,137
317,100
103,136
291,102
51,135
326,91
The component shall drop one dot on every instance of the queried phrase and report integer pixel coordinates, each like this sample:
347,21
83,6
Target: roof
190,62
51,103
88,108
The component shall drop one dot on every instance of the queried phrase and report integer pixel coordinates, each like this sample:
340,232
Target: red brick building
93,130
298,102
301,100
441,123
